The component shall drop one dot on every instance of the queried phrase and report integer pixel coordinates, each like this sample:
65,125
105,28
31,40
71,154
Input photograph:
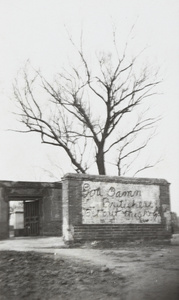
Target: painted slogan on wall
119,203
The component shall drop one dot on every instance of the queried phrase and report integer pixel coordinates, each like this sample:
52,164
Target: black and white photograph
89,150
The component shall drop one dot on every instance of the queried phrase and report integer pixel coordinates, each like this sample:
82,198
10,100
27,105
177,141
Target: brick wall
4,214
51,215
49,196
134,208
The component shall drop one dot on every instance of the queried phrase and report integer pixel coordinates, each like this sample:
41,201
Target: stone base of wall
124,232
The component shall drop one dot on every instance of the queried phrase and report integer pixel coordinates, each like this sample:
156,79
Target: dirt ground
45,269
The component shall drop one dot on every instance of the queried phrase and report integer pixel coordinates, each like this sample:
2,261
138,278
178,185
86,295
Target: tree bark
100,162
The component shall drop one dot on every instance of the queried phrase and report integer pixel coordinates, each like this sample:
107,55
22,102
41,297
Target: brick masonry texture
77,231
50,204
51,217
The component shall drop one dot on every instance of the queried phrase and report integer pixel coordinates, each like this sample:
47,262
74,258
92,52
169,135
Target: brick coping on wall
142,180
29,184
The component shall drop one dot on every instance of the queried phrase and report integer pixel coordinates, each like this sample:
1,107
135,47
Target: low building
42,208
88,207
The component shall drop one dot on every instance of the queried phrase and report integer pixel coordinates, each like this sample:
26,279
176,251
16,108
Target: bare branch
90,107
147,166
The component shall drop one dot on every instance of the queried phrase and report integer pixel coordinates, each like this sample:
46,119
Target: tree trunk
100,162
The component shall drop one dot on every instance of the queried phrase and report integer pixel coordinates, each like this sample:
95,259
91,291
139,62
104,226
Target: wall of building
51,214
4,214
50,204
118,208
18,220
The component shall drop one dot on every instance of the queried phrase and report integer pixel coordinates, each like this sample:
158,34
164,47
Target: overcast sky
36,30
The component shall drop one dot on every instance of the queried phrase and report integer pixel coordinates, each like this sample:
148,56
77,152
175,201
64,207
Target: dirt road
135,271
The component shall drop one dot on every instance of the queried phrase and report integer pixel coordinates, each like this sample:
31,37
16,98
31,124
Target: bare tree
95,113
